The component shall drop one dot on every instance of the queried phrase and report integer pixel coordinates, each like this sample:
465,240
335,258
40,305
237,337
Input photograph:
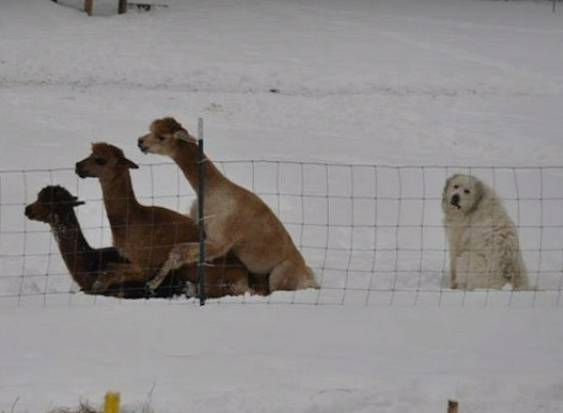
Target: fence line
372,233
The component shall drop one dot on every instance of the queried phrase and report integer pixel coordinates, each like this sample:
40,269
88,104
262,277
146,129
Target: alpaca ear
76,203
183,135
128,163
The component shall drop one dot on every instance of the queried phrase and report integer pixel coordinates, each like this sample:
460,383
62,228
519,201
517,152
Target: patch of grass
83,408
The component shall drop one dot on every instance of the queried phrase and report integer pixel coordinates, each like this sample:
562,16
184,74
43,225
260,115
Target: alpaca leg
221,281
288,276
190,290
259,283
240,287
187,254
237,280
118,273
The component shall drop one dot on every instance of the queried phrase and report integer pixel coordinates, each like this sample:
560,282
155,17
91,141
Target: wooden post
452,406
111,404
88,6
122,7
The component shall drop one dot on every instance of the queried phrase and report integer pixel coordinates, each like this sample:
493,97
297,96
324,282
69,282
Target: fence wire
373,234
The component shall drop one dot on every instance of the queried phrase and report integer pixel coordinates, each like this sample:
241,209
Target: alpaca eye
100,161
456,186
160,137
467,191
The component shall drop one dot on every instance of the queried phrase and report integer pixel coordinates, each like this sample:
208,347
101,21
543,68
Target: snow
457,83
279,359
352,76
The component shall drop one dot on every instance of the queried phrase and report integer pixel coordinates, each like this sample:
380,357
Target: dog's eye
456,186
100,161
467,191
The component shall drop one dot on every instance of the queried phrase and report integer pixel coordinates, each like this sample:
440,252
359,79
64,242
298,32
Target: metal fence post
200,200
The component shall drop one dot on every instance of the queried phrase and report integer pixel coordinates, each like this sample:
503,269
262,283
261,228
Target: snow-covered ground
284,359
429,82
448,82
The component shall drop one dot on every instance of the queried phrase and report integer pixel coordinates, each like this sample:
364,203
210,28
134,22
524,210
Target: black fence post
200,200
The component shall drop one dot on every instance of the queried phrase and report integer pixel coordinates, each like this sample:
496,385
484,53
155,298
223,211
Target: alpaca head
104,161
165,137
52,204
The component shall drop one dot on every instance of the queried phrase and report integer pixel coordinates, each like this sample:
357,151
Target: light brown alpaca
146,234
235,219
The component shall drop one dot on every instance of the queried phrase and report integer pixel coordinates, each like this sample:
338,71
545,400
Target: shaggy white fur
483,241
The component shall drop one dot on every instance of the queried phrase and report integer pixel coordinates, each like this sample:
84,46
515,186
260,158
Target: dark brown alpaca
55,206
147,234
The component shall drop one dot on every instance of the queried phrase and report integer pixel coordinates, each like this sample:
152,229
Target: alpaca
147,234
55,206
236,219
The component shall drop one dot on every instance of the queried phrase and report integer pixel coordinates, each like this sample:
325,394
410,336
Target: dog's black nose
455,200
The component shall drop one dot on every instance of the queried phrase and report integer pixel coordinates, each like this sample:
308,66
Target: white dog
484,247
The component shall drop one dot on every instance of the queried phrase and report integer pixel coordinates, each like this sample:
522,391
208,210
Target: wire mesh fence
373,234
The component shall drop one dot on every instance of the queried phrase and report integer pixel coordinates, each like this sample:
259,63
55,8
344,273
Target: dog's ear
128,163
479,195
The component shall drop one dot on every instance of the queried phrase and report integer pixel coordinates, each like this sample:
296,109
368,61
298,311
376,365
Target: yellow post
112,402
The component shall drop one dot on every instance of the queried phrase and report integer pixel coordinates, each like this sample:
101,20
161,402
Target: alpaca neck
69,234
74,248
119,198
187,158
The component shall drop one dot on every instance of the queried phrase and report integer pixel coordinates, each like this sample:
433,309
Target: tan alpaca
235,219
147,234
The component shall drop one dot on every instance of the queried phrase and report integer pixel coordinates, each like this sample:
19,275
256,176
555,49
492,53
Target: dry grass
83,408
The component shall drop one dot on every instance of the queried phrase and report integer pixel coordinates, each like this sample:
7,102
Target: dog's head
165,136
105,160
52,203
462,193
